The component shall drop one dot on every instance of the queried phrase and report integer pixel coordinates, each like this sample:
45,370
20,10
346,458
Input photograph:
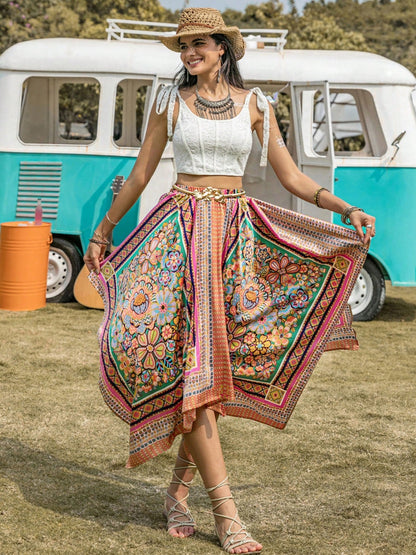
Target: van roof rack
126,30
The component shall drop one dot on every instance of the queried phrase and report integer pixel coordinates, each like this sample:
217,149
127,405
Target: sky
222,4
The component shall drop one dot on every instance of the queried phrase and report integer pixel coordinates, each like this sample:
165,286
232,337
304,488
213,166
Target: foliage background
380,26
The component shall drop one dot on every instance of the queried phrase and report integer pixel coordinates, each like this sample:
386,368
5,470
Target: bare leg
203,443
178,490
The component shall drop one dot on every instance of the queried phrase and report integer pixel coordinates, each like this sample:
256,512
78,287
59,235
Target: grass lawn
340,479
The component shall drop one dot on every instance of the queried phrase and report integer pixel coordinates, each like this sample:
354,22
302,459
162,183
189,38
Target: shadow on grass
69,488
79,307
397,310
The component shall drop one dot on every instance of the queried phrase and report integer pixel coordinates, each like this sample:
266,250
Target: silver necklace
214,109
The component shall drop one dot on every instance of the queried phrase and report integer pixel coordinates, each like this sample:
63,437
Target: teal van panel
390,195
85,191
9,172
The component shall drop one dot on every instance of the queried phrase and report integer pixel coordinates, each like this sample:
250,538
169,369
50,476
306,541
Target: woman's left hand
361,219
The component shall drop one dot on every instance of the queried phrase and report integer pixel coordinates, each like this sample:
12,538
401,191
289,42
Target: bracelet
97,242
100,238
97,235
345,216
110,220
317,194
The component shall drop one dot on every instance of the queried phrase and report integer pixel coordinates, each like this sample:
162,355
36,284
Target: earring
219,70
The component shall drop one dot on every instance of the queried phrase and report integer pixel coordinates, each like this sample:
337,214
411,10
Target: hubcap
59,272
362,293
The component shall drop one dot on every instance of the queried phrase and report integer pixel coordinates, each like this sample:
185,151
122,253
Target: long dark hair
229,67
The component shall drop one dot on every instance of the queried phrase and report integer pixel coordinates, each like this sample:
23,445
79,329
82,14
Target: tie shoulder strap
263,106
166,99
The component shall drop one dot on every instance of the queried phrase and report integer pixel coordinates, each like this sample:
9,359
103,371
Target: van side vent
39,180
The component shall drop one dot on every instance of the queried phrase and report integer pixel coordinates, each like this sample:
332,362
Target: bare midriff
215,181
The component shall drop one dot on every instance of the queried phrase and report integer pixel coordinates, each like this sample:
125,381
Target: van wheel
64,265
369,292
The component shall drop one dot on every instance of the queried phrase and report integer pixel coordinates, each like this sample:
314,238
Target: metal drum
24,252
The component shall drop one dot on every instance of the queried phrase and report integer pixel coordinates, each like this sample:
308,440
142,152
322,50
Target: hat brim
233,33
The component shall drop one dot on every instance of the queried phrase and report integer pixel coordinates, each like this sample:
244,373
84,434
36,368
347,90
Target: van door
313,139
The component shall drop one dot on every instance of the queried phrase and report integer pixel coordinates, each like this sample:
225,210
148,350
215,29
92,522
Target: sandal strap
188,465
179,515
220,485
219,500
228,541
176,520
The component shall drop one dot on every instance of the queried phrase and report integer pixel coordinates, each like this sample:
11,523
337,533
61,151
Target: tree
389,28
323,33
20,20
28,19
307,31
265,15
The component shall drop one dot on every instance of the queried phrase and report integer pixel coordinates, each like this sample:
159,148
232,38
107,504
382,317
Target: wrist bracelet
97,242
97,235
345,216
317,195
110,220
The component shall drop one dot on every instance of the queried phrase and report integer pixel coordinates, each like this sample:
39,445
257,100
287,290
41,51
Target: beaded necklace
214,109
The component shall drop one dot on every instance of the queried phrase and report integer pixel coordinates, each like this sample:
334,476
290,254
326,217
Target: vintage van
73,113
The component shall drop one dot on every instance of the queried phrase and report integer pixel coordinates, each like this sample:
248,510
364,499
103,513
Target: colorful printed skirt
224,301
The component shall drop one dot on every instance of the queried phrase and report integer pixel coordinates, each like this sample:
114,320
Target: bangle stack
110,220
99,239
345,216
317,195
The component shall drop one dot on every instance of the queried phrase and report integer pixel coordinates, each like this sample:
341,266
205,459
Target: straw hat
205,21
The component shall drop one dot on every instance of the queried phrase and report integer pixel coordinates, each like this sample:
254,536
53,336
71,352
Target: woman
217,303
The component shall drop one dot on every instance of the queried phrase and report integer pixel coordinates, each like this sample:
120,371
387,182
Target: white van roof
150,57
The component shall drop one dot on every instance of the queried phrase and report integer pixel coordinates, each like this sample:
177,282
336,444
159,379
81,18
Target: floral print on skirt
226,303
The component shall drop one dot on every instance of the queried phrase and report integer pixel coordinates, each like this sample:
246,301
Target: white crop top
212,147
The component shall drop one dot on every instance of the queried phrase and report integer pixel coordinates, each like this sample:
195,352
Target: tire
64,265
369,292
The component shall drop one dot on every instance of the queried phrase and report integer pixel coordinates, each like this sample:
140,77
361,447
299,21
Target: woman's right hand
93,256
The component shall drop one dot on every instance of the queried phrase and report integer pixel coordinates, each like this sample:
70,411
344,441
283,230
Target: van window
132,99
356,129
78,111
59,110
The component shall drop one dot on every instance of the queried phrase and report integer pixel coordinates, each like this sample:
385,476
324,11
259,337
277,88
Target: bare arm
300,184
143,169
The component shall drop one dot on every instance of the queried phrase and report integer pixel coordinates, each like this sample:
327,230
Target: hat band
194,25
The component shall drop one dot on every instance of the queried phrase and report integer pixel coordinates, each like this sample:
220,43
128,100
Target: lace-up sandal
231,538
178,515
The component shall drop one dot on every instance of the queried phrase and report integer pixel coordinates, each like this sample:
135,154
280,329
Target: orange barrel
24,254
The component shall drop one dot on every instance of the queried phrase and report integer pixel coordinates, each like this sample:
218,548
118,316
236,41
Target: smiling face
200,54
